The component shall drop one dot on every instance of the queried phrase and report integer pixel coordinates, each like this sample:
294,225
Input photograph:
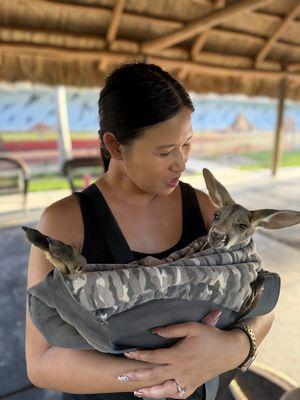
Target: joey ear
275,219
217,192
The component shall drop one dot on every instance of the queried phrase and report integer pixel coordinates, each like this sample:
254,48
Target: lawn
246,161
255,160
263,159
30,135
55,181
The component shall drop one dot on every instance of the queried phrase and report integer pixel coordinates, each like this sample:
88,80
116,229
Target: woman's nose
179,163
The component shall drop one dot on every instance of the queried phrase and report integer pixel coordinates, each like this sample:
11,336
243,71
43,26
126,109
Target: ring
180,390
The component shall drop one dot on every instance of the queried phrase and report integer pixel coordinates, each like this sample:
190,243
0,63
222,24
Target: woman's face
156,160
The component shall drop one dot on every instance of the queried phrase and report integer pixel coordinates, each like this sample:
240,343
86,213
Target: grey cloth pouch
113,307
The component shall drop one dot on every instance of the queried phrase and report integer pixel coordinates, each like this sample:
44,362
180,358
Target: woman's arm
261,325
62,369
84,371
222,350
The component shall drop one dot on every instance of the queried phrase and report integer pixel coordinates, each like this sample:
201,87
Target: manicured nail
216,315
123,378
138,394
129,354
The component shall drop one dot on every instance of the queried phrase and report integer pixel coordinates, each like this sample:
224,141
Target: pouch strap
269,296
211,388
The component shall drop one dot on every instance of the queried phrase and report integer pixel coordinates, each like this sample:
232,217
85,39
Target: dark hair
137,95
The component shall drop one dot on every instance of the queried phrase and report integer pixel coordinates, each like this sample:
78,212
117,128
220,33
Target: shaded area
14,383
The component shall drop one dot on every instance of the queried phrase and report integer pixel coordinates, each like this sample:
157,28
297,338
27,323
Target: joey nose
218,236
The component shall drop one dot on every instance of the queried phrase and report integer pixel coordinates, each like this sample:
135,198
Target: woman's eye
166,154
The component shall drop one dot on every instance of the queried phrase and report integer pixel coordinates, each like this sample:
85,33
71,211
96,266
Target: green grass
32,136
46,183
261,159
264,159
52,182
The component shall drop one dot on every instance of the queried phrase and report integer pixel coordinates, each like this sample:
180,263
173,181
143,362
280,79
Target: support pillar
64,138
277,149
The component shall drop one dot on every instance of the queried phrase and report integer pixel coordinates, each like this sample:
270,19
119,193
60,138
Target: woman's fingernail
129,354
216,315
123,378
138,394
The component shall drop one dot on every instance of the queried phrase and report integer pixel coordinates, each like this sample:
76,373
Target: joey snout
217,239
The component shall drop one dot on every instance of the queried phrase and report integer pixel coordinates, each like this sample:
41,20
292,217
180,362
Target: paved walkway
280,251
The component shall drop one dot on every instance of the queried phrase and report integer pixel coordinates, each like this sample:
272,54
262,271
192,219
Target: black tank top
96,214
97,217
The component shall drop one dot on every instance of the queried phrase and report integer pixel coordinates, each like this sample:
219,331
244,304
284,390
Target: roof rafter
115,20
128,46
149,19
113,27
294,67
276,35
200,41
165,22
214,18
63,54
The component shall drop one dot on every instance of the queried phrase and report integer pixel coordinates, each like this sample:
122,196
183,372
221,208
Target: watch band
253,346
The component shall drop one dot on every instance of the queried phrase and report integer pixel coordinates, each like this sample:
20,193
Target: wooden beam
276,35
115,20
203,2
182,73
70,7
278,134
202,24
200,41
7,32
219,4
113,27
218,70
293,67
132,50
63,54
128,46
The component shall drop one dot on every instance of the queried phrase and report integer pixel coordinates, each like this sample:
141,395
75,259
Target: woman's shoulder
207,207
62,220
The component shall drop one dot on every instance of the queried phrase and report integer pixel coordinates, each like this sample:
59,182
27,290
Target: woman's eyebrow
169,145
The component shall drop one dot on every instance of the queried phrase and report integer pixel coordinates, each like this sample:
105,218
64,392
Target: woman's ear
113,146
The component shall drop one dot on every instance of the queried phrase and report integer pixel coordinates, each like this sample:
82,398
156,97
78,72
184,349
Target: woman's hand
192,361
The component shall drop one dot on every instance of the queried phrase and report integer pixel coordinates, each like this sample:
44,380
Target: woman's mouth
173,182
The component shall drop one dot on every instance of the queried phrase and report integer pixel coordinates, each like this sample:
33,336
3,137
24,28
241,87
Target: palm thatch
225,46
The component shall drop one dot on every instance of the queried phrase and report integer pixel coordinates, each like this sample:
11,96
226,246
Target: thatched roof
240,46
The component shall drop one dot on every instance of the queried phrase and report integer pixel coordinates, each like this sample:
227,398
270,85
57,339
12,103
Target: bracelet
253,346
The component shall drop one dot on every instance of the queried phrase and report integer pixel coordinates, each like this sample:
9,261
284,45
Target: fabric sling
112,307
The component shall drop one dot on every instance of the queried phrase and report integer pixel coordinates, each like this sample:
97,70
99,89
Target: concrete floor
280,251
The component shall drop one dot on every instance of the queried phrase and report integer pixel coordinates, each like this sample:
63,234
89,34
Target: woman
145,133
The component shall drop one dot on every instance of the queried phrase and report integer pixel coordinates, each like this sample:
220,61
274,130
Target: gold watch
253,347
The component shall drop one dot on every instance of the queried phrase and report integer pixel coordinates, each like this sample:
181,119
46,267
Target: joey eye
217,216
242,227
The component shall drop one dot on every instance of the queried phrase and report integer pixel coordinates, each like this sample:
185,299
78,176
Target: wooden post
278,134
64,138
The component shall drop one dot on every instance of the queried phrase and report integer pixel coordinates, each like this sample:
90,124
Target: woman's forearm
261,325
85,371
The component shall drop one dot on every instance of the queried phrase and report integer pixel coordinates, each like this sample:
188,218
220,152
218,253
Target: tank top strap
101,227
193,223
